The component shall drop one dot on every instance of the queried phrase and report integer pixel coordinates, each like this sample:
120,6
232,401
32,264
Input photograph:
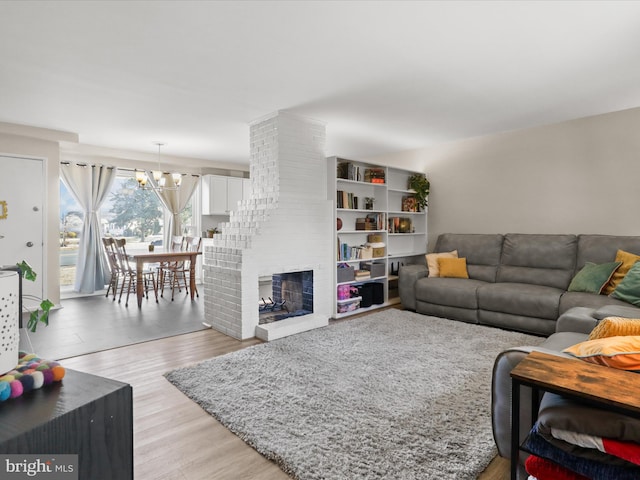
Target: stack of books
362,275
366,224
374,175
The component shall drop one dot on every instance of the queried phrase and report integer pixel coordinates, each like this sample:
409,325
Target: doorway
21,217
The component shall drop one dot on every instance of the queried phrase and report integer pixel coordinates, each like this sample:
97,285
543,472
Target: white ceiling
384,76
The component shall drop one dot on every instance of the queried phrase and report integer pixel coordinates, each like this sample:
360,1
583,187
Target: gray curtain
90,185
175,201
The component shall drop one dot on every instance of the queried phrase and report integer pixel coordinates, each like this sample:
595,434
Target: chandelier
159,177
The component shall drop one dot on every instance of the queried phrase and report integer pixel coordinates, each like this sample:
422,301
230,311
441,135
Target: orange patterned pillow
615,327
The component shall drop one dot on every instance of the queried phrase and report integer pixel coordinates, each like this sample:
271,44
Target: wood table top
605,385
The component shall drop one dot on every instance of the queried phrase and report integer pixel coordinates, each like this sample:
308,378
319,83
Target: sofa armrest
407,278
501,397
577,319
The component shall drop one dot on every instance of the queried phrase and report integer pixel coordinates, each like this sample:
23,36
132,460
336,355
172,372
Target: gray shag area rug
393,395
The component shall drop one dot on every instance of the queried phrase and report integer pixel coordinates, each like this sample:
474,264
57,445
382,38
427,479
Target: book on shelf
374,175
349,171
348,252
346,200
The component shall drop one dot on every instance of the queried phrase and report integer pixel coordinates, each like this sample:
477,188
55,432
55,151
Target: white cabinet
246,188
352,185
221,194
234,193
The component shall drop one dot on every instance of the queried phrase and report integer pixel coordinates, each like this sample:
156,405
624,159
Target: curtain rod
87,165
125,169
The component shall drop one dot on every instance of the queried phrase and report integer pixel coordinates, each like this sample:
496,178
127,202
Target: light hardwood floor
174,439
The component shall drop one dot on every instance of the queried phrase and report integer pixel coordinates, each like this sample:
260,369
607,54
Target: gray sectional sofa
572,327
516,281
519,282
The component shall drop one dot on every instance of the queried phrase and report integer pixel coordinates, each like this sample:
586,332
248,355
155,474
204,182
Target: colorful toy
31,373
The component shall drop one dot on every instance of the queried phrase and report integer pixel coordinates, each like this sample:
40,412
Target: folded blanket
542,469
580,445
629,451
537,445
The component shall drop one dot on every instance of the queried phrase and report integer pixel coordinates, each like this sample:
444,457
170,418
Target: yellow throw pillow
615,327
432,261
616,352
627,259
453,267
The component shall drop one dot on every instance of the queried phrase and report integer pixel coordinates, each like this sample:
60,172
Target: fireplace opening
285,295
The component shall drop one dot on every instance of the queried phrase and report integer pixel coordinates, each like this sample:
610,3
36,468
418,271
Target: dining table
157,257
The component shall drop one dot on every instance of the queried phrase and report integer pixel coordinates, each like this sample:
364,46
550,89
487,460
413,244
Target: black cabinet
83,414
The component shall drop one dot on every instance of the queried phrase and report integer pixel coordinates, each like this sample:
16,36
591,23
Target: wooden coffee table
605,387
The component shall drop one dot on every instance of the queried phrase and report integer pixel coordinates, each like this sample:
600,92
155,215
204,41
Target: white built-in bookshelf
352,184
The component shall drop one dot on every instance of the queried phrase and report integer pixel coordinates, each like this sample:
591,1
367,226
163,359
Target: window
132,213
71,220
128,212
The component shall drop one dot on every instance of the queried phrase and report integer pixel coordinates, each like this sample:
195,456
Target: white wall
580,176
41,143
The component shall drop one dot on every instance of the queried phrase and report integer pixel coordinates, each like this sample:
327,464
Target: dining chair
171,274
129,274
192,244
110,249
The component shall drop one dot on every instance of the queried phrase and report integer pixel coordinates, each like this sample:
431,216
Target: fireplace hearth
291,296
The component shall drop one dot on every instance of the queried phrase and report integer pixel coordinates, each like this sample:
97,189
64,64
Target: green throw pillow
628,290
593,277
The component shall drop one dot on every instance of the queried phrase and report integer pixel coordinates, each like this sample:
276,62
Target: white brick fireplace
284,226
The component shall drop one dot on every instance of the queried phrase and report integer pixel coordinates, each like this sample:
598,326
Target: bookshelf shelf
403,234
349,300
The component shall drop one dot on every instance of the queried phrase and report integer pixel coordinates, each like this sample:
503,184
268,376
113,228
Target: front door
21,216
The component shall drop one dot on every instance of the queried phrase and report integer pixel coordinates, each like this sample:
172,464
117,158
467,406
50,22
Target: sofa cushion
628,290
628,260
603,248
432,261
615,327
624,310
456,292
482,252
581,299
593,277
517,322
453,267
469,315
520,299
538,259
622,352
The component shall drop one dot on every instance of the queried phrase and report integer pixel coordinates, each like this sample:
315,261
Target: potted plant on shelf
212,231
368,203
420,185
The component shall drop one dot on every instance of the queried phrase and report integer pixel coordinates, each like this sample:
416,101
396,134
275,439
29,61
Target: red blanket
545,470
